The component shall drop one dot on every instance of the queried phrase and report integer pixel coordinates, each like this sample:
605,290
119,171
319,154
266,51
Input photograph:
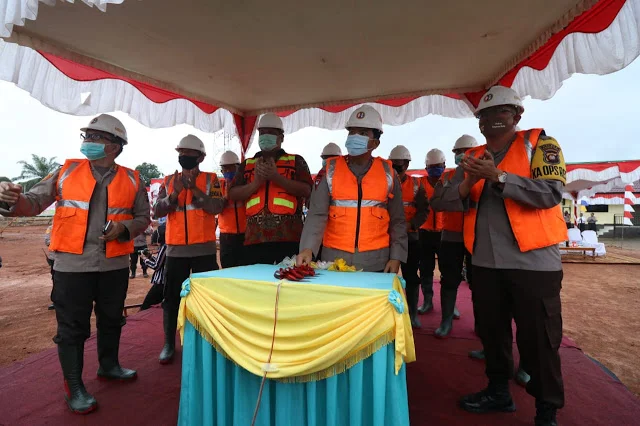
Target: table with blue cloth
337,355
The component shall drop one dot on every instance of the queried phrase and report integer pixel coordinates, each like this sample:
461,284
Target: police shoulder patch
548,161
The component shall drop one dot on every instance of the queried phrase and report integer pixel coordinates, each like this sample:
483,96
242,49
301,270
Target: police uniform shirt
93,257
495,243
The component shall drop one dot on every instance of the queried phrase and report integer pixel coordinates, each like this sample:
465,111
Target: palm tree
34,173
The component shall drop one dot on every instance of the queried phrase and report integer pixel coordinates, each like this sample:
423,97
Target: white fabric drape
32,72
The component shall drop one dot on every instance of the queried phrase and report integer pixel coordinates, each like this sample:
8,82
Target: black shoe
427,306
108,349
145,275
522,378
133,275
51,307
545,414
72,360
117,373
487,401
477,355
169,321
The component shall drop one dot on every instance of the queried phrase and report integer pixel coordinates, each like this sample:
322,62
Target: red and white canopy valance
212,65
588,179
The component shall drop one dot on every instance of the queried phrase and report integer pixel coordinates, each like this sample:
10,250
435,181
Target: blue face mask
357,145
229,176
435,172
459,158
267,142
93,150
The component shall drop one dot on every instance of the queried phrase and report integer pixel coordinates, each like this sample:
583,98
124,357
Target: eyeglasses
95,137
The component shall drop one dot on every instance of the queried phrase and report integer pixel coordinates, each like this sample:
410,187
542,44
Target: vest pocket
336,212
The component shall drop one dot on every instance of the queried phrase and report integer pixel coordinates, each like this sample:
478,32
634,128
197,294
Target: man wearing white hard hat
510,194
100,208
356,212
415,204
273,185
190,200
452,253
330,150
431,230
233,220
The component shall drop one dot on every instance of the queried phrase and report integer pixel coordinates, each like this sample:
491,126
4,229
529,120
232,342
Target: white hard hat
331,149
191,142
229,157
110,124
270,120
465,141
500,95
435,156
365,117
400,152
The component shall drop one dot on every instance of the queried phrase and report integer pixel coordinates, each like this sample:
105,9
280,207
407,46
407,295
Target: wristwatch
502,177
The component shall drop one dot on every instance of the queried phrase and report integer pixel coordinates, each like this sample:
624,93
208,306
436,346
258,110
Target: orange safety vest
358,216
451,221
190,224
270,196
434,219
532,228
233,219
410,188
75,187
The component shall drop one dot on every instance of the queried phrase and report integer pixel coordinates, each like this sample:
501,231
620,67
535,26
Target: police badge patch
550,153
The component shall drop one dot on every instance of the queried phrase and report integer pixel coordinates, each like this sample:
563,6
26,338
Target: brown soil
601,305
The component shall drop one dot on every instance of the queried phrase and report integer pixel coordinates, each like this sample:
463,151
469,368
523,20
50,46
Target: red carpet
31,390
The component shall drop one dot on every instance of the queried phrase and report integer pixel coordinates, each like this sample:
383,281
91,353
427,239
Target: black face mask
188,162
399,169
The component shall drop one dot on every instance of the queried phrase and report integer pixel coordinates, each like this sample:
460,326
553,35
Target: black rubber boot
110,369
477,354
522,378
427,303
412,301
545,414
72,360
447,303
495,398
168,350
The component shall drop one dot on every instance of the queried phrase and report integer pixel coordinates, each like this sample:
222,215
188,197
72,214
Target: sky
594,118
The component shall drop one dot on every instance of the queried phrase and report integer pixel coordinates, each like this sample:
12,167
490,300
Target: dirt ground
601,305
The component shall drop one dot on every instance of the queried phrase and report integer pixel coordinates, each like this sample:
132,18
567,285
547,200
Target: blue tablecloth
215,391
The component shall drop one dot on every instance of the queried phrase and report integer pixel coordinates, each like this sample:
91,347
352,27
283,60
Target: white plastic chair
590,239
574,235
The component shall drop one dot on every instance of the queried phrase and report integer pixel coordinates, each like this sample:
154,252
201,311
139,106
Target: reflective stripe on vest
358,224
270,195
532,228
75,187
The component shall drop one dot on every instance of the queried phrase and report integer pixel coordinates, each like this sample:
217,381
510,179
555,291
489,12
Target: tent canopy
587,179
219,65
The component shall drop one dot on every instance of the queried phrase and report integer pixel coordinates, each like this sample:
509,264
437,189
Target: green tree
4,179
34,172
147,172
